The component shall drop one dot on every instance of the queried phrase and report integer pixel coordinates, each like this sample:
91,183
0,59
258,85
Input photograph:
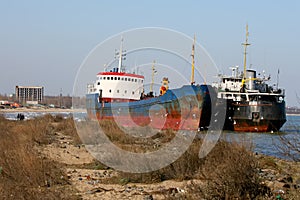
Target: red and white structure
117,85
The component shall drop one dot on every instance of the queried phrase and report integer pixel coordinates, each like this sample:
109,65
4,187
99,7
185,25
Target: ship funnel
251,79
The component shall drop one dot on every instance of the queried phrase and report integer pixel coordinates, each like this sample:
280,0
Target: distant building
29,94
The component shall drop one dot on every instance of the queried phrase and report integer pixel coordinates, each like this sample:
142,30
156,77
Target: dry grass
25,173
232,172
229,171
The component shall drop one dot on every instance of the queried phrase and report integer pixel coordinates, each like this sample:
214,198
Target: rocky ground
281,176
44,157
91,179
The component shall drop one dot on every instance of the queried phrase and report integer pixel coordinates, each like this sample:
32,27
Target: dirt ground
90,183
71,172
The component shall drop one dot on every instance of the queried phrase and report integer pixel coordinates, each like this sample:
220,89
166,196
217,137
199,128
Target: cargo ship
120,96
252,104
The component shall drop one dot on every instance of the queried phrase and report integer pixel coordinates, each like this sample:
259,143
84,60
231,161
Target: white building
29,94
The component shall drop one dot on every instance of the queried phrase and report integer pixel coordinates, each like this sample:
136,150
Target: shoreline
20,110
293,114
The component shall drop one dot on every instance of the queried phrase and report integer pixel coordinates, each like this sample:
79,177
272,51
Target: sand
90,182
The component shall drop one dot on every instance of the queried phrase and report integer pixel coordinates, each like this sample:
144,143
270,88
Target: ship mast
153,72
193,62
245,55
120,55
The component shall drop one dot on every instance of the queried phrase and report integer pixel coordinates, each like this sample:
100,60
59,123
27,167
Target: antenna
277,79
204,73
193,62
153,72
60,98
120,55
245,55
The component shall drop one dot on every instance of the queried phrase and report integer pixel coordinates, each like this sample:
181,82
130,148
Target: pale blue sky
44,42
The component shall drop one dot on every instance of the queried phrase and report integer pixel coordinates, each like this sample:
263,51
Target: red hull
188,122
250,126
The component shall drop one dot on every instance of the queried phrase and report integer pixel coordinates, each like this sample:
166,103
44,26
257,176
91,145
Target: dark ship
252,104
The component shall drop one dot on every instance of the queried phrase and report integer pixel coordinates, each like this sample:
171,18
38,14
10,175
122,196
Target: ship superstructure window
135,80
133,92
110,91
115,78
98,83
128,79
122,79
125,79
125,91
112,78
118,78
118,91
108,78
104,78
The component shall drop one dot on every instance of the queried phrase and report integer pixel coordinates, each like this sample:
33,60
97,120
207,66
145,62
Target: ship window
142,81
125,79
135,80
110,91
132,80
98,83
104,78
100,78
128,79
111,78
118,78
122,79
132,92
115,78
108,78
125,90
118,91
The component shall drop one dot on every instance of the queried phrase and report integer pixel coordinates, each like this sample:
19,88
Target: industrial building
29,94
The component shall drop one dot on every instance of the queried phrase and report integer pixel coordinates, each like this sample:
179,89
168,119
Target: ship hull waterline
261,117
177,109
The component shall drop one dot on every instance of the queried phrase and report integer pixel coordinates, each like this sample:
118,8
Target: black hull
258,117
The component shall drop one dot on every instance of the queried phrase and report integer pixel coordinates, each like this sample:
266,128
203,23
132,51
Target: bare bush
289,147
25,174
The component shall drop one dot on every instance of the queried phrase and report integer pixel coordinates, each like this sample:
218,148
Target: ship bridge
117,86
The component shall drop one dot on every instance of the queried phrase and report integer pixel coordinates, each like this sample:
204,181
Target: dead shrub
289,147
25,173
67,127
231,171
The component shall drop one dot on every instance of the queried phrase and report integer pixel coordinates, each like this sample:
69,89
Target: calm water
269,143
265,143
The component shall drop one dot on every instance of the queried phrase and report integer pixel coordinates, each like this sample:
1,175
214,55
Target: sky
45,42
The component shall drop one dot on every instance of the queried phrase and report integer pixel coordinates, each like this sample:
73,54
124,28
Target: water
263,143
30,115
269,143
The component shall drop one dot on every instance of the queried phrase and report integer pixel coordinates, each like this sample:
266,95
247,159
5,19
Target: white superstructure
116,85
